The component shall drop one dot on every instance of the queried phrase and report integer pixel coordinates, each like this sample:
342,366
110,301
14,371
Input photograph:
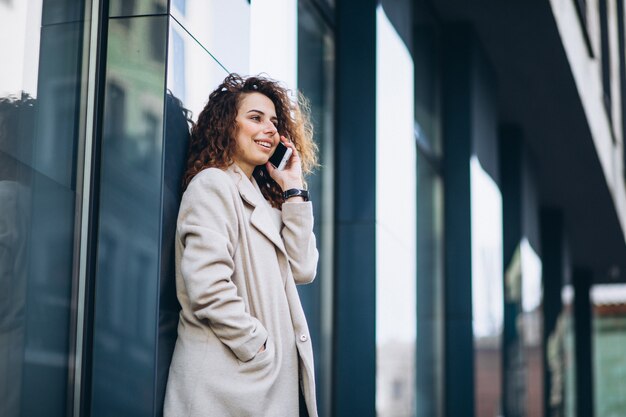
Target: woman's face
256,135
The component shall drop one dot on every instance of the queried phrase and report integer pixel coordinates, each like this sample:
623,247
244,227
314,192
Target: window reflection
119,8
487,289
221,27
15,193
316,62
129,218
395,224
429,215
609,339
560,352
40,109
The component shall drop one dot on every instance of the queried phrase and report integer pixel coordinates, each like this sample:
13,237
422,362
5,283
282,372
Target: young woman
244,240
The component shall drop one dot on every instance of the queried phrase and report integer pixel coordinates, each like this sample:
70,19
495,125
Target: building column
470,148
458,336
582,279
552,250
354,361
511,154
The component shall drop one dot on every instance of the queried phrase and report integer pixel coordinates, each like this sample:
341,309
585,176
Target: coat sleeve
299,240
208,229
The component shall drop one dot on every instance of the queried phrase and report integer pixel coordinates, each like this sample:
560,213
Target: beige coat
238,261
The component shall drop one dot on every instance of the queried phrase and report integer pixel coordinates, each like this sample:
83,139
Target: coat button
303,338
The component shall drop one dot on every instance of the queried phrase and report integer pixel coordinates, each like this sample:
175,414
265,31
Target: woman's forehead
257,101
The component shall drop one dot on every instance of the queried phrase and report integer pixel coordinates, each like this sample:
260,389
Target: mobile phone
281,156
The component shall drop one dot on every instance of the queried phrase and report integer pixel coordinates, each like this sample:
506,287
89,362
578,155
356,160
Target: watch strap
296,192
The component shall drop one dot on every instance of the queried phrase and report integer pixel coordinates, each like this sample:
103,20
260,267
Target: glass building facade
459,274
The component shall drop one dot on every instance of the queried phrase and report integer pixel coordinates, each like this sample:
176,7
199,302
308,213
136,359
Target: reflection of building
395,374
471,195
609,339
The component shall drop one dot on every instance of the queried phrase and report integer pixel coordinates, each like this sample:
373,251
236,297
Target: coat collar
260,218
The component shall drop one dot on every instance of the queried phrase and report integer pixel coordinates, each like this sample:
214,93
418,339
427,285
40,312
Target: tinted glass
609,339
430,321
192,74
127,275
221,27
427,79
395,221
62,11
429,221
40,113
119,8
316,60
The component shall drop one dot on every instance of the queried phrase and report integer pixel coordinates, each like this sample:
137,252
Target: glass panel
429,256
609,339
522,340
192,74
561,359
427,80
40,109
315,80
127,274
222,27
61,11
487,289
395,224
119,8
429,360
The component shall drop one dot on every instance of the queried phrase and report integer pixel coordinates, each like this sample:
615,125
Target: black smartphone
281,156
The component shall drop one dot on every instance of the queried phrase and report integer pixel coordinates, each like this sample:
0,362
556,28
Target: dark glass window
316,61
127,269
41,109
429,216
605,56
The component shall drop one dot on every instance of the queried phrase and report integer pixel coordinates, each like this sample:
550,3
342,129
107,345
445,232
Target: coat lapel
259,218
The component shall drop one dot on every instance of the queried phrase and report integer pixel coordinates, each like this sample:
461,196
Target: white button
303,338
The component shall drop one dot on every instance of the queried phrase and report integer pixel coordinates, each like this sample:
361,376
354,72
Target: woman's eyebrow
262,113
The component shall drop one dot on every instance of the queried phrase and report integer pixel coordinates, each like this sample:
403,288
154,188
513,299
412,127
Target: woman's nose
271,129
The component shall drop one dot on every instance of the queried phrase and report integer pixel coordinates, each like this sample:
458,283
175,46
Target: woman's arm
299,240
208,229
297,220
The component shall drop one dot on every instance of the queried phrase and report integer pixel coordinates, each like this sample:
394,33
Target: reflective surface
429,217
192,74
61,11
40,110
609,339
221,27
430,320
487,289
396,322
119,8
316,64
127,275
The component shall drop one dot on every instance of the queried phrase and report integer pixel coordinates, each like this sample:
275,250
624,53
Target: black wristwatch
296,192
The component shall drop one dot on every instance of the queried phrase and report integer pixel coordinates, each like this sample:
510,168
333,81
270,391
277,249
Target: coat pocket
261,360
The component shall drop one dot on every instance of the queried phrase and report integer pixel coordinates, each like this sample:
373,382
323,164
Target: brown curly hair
212,141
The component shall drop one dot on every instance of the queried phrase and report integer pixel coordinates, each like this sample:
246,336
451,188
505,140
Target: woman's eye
256,118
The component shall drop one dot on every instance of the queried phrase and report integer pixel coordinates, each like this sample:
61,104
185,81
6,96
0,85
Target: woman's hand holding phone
291,175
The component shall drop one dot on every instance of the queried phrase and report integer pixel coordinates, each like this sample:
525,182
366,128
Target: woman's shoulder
209,186
211,178
210,174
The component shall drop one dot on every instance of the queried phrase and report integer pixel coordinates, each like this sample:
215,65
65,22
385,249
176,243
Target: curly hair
213,143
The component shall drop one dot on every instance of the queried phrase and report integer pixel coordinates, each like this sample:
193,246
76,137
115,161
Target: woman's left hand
291,175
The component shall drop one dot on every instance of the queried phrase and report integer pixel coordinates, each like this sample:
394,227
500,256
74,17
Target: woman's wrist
292,184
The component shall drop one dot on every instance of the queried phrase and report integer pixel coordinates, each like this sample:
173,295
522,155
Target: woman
243,346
